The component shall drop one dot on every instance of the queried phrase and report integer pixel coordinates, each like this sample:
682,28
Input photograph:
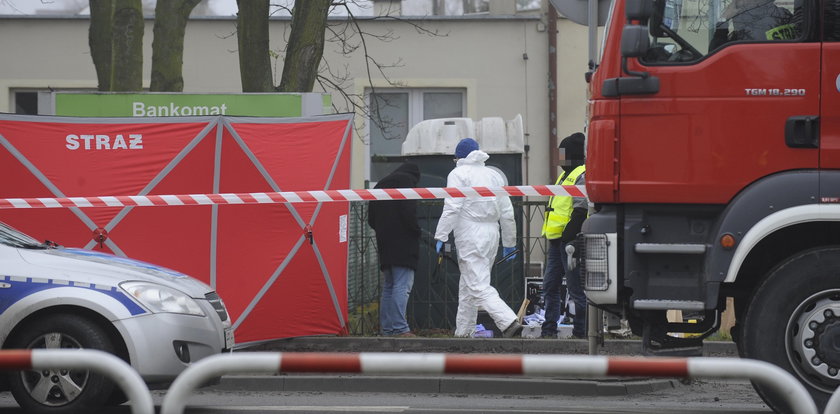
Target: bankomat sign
179,104
139,108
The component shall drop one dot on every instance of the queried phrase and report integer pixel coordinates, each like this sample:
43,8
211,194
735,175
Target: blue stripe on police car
13,289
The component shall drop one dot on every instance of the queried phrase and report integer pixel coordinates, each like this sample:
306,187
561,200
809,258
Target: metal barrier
102,362
833,406
532,365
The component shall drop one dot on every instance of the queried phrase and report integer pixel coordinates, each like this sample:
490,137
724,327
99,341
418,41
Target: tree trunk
127,46
306,45
168,44
252,32
99,40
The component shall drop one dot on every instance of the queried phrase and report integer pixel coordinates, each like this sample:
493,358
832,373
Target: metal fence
434,298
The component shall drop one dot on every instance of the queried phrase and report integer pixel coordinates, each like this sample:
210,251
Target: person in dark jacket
759,20
398,242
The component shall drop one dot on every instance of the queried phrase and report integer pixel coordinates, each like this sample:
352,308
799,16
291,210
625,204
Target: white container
531,331
564,331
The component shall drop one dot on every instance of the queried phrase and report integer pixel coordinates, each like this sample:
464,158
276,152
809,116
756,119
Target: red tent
280,268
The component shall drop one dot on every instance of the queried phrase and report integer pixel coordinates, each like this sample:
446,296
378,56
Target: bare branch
343,34
349,38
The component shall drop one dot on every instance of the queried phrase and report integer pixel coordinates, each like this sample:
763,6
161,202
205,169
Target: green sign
179,104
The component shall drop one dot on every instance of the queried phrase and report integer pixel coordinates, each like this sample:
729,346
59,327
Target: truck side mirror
640,10
634,41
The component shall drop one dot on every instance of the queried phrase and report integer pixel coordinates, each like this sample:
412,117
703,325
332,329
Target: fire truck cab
713,159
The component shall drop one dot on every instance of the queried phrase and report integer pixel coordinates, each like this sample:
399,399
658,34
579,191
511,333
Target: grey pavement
453,384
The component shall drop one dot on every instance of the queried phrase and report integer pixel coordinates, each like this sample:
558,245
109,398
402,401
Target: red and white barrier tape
294,196
579,366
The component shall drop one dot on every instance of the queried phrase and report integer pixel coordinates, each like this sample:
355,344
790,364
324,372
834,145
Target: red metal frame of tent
280,268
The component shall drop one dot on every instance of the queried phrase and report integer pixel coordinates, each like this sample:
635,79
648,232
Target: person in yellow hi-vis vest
563,220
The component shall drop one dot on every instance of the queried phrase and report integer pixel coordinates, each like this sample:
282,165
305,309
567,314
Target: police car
157,319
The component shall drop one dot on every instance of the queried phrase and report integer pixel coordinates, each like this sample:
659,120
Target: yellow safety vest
783,32
560,207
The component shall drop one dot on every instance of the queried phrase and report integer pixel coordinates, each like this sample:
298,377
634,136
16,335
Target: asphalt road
306,393
697,397
722,396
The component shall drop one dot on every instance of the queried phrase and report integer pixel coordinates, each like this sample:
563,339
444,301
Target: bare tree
168,44
127,46
303,63
351,36
116,43
99,40
254,59
302,58
306,45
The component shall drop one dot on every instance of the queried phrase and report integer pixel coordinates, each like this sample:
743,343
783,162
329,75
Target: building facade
488,64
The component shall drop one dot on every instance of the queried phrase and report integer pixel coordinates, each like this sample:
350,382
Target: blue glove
438,246
508,250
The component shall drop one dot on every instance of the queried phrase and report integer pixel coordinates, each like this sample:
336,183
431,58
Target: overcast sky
218,7
228,7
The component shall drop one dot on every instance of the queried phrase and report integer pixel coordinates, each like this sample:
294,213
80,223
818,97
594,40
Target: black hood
406,175
410,169
575,152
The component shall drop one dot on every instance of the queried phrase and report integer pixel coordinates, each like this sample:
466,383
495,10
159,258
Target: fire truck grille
595,263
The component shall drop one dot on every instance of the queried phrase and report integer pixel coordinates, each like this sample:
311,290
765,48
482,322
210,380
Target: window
476,6
392,114
444,7
35,101
685,31
832,21
528,5
26,103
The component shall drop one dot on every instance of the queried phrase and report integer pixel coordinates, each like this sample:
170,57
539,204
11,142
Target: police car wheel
60,391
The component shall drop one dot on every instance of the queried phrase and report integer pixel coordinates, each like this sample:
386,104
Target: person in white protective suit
475,223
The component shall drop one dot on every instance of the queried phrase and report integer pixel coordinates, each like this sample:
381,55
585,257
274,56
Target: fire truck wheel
793,321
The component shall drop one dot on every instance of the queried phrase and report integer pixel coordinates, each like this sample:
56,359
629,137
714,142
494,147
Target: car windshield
11,237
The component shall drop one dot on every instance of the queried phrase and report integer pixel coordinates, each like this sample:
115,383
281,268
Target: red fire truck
713,160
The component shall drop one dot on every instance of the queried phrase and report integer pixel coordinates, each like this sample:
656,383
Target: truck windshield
685,31
11,237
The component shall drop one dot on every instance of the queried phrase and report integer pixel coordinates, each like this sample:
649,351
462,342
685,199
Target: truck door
731,91
830,105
